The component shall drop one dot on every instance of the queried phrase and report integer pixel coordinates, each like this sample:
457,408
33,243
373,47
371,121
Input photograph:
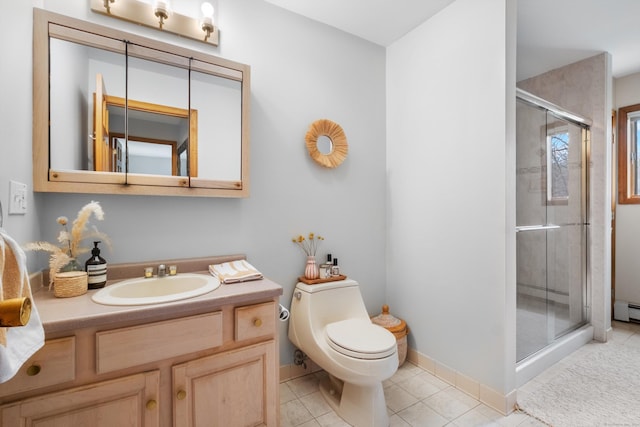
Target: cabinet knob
33,370
152,404
181,394
257,322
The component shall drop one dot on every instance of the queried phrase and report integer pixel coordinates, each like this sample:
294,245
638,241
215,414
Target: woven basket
70,284
397,327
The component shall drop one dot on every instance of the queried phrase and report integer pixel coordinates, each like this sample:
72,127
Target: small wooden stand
317,281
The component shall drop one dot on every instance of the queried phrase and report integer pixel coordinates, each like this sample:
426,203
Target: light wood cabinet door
232,389
128,401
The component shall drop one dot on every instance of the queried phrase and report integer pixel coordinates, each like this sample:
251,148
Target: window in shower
628,165
558,166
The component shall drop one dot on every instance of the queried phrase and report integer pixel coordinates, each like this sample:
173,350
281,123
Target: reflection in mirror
162,116
151,124
324,144
72,81
152,157
220,157
97,90
161,92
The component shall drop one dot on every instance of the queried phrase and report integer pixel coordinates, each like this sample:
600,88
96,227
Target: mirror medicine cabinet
116,113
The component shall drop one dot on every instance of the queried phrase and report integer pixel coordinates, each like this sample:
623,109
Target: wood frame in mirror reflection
111,148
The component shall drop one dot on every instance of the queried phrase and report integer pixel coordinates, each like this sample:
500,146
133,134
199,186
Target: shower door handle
536,227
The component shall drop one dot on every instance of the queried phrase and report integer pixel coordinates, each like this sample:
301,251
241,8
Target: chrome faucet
162,270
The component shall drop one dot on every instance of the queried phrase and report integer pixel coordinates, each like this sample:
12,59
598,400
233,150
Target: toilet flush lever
298,295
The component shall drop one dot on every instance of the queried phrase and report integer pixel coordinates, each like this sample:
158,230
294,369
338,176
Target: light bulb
207,10
161,6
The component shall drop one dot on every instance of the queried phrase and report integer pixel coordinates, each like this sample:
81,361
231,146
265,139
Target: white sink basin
156,290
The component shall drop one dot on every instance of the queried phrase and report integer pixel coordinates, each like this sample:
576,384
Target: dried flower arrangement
69,243
309,246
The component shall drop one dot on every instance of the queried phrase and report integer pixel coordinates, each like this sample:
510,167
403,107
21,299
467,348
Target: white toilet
330,323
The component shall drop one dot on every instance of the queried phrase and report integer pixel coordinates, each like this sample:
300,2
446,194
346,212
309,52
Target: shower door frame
585,126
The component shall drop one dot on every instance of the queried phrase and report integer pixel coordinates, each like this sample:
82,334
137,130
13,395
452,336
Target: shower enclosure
552,149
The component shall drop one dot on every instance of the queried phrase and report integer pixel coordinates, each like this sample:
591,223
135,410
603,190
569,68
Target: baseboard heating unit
626,312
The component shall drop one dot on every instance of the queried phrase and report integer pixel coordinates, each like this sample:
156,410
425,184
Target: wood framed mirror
101,94
326,143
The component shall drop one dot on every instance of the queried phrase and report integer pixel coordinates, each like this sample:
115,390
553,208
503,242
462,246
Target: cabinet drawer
52,364
254,321
127,347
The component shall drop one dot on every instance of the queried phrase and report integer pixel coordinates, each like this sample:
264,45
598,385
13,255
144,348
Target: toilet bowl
330,323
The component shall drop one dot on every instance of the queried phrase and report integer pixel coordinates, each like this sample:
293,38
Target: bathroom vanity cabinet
210,360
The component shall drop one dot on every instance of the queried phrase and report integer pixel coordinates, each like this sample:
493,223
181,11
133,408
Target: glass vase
72,265
311,271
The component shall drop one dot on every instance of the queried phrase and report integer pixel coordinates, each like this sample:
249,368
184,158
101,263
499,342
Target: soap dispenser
96,268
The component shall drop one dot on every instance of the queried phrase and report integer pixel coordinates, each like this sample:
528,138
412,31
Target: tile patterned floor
417,398
414,398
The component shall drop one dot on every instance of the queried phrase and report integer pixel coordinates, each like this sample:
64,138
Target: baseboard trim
289,372
504,404
501,403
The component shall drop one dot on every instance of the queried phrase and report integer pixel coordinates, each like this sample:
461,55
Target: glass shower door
551,228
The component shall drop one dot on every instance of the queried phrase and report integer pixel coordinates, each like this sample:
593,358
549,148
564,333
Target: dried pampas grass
70,241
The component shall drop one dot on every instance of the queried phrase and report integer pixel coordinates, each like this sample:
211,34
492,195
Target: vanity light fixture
160,16
107,5
161,10
207,19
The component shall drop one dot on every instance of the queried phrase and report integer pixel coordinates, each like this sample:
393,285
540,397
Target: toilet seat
360,339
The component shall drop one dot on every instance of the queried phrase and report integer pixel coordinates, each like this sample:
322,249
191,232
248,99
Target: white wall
15,115
301,71
451,198
627,92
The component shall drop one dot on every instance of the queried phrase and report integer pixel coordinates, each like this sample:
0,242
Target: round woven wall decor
339,146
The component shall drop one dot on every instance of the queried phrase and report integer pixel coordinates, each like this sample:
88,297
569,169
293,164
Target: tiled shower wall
584,88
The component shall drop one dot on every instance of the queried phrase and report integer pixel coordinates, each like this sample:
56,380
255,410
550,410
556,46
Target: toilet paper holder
15,312
283,313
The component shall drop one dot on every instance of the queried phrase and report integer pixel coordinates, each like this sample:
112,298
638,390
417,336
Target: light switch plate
17,198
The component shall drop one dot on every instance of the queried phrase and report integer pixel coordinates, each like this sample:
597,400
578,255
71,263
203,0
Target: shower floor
538,323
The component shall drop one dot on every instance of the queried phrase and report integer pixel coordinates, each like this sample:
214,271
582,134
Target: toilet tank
329,302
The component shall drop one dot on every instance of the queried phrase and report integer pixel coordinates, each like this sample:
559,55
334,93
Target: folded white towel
235,271
17,344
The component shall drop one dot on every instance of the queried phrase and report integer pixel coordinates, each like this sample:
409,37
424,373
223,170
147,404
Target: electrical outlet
17,198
